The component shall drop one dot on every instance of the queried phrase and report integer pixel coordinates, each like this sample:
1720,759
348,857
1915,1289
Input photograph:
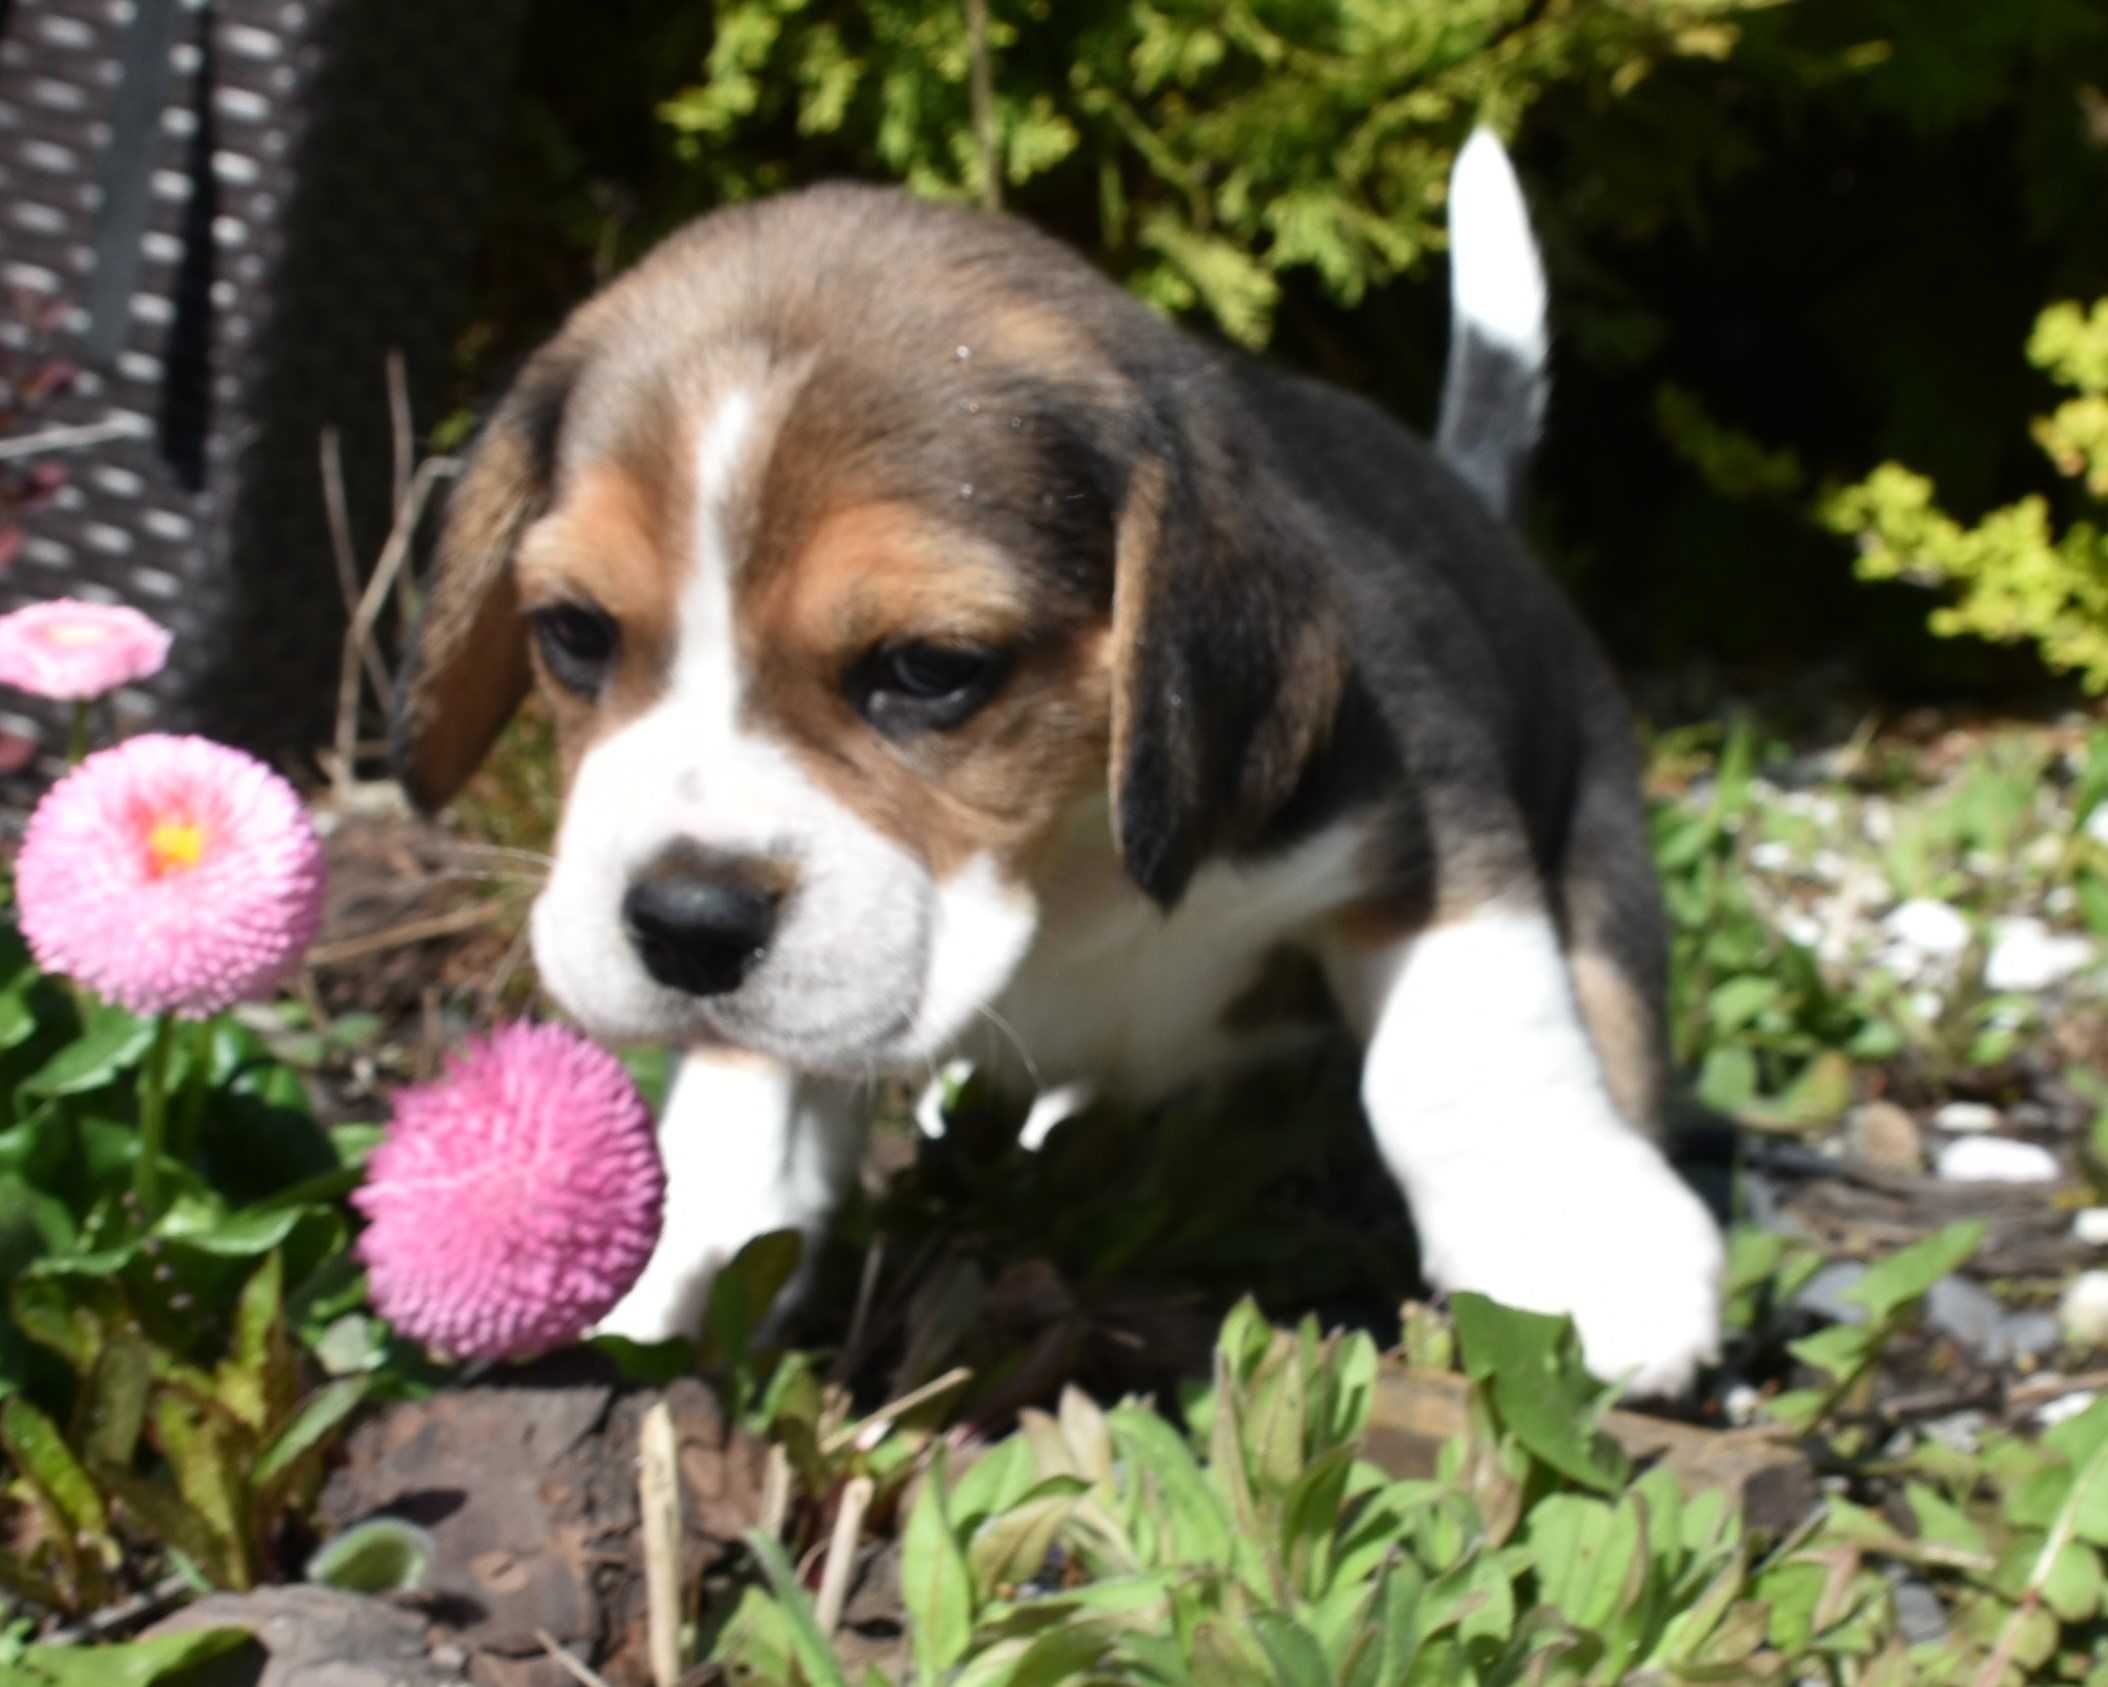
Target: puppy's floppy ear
1227,662
467,668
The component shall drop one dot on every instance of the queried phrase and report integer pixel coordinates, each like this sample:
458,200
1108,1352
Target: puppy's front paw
1602,1230
669,1300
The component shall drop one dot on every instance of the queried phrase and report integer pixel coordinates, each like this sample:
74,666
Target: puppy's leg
1526,1182
749,1147
1616,930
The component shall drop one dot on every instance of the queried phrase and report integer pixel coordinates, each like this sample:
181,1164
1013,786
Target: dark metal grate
312,172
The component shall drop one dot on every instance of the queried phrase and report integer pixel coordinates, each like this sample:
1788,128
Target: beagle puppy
952,658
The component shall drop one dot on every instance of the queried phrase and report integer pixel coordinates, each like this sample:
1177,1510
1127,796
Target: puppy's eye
578,643
927,686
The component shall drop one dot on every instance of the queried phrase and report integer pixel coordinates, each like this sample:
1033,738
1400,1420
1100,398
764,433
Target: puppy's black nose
699,925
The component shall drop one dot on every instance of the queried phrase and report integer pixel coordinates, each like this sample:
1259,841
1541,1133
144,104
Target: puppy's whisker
485,875
1017,1042
471,848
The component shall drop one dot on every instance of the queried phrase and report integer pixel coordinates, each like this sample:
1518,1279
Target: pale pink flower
170,875
514,1199
74,651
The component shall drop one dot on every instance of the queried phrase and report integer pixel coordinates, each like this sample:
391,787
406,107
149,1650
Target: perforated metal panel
292,188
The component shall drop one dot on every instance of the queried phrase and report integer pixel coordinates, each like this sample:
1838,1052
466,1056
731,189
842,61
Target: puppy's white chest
1117,994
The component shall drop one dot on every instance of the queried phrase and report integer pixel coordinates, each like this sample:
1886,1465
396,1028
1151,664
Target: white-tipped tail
1493,397
1496,282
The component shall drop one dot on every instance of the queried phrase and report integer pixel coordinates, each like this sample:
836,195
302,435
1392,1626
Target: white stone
2027,955
1829,866
2084,1309
1921,939
1801,928
1966,1116
2054,1412
2097,823
1996,1159
1773,855
2091,1227
1878,822
1928,1005
1932,928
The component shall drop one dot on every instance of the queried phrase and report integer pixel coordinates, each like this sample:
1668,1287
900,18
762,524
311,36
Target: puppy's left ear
467,668
1227,664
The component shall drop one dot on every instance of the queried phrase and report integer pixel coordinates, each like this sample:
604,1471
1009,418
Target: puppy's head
858,553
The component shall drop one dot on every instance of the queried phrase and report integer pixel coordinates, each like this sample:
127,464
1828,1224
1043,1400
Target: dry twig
360,648
775,1492
570,1665
841,1553
659,1509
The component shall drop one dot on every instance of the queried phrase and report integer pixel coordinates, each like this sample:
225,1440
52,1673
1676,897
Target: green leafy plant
1260,1546
160,1388
1223,147
2013,576
1749,1009
241,1440
1892,1293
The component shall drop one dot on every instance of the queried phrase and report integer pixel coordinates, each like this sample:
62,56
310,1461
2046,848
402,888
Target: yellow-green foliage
2015,577
1227,143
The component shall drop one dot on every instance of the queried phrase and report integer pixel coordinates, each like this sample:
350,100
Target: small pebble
1973,1316
1966,1117
1932,928
1963,1430
2064,1406
2027,955
1824,1294
1801,928
1741,1404
1773,855
2084,1309
2091,1227
1883,1135
1996,1159
1921,1619
1969,1313
2097,823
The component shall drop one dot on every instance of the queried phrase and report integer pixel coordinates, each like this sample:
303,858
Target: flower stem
195,1085
153,1122
77,736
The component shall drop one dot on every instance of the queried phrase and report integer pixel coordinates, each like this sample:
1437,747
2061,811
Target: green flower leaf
136,1663
110,1045
935,1583
382,1555
1531,1366
1906,1274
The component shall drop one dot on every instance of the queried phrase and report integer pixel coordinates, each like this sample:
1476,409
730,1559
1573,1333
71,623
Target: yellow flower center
70,635
175,845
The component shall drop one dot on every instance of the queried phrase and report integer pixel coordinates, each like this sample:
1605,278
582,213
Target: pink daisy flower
74,651
170,875
514,1199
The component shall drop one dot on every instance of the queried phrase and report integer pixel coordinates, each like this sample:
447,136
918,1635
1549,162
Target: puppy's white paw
1596,1226
669,1300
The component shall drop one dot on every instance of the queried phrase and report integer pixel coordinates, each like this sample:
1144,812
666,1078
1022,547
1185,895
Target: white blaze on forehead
705,664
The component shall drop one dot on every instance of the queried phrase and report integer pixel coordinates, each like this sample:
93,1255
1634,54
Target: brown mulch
527,1483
